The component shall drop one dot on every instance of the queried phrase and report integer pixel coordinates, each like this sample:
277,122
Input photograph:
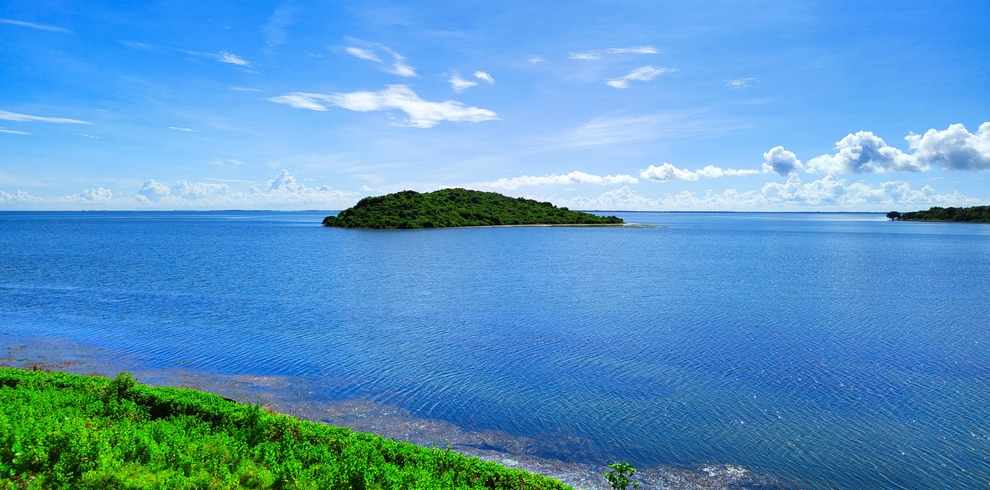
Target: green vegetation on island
65,431
975,214
457,207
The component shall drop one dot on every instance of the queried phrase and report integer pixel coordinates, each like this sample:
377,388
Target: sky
618,105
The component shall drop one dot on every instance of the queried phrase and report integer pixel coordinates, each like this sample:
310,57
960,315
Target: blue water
833,350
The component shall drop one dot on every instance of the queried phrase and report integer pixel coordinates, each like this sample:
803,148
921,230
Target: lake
835,351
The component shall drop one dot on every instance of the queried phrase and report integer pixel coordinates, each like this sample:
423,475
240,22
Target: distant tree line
975,214
457,207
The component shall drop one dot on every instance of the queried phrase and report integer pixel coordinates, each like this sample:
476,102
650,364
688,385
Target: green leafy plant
619,476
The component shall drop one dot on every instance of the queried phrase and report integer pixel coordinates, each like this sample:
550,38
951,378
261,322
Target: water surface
833,350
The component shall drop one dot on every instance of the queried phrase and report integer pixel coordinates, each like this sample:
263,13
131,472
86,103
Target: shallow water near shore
828,350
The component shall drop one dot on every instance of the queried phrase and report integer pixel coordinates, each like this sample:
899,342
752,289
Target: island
457,207
975,214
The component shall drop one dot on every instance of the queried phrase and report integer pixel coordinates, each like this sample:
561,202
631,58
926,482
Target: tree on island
894,215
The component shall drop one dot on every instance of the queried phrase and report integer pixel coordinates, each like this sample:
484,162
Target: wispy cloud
597,54
246,89
90,136
32,25
740,82
634,50
274,30
13,116
421,113
397,67
617,129
184,130
641,74
480,75
220,162
12,131
225,57
364,54
586,55
459,84
575,177
537,59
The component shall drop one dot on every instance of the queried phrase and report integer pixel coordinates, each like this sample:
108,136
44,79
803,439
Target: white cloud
20,199
827,193
184,130
740,82
245,89
32,25
364,54
459,84
611,129
634,50
587,55
225,57
274,31
666,172
713,172
421,113
281,192
90,136
13,116
955,148
537,59
398,66
641,74
864,152
480,75
781,161
12,131
575,177
597,54
98,195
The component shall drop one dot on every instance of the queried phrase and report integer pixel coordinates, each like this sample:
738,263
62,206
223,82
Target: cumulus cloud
32,25
459,84
575,177
641,74
778,160
97,195
282,191
955,148
421,113
826,193
740,82
398,66
480,75
864,152
666,172
13,116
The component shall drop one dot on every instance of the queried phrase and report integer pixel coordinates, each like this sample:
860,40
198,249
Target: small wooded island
975,214
457,207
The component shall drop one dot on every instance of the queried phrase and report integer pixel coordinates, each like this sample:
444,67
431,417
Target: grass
66,431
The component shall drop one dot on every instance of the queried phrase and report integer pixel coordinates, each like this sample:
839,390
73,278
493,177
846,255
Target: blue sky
623,105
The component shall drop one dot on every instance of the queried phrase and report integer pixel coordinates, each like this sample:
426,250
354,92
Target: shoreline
288,395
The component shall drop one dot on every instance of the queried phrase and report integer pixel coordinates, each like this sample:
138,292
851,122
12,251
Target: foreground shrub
65,431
